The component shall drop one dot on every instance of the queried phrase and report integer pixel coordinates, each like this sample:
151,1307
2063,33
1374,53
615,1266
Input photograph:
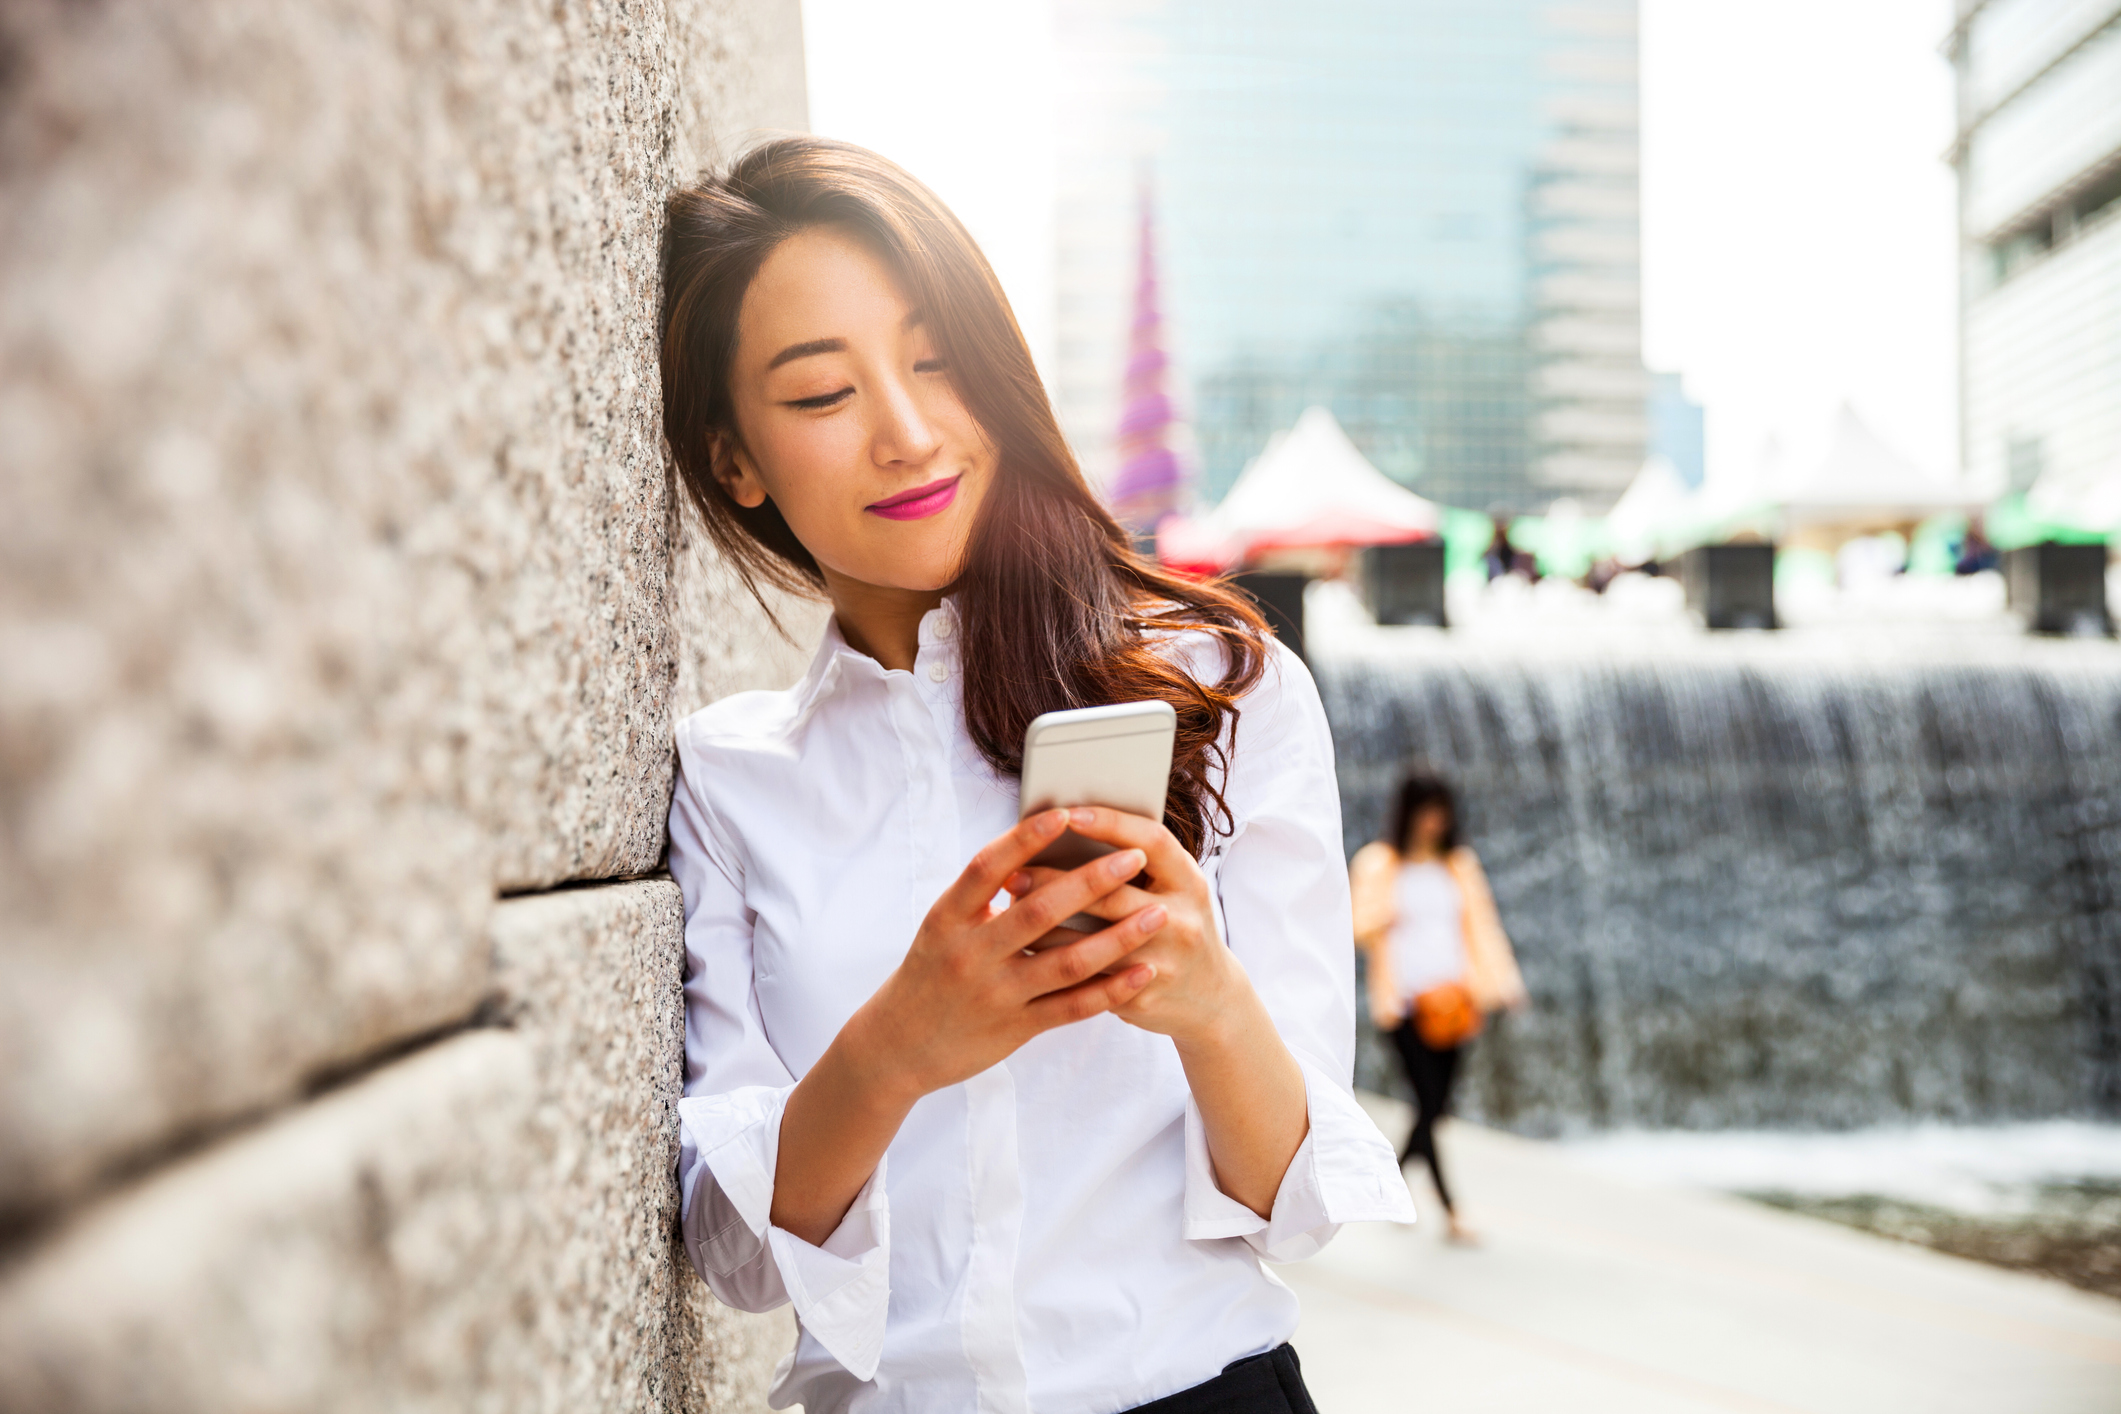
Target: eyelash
826,400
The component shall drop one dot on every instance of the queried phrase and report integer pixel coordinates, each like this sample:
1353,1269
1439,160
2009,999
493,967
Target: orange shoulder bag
1447,1016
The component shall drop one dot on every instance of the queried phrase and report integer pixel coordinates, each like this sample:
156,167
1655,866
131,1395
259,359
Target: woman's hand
1198,982
966,996
1385,1014
1247,1085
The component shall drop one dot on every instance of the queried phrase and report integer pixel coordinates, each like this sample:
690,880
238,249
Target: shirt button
937,672
944,628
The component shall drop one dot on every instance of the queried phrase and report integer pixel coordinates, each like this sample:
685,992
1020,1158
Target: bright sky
961,94
1798,238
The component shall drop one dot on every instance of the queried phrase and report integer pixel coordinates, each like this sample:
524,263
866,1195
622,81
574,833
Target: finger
1087,999
998,859
1168,860
1112,907
1040,911
1065,964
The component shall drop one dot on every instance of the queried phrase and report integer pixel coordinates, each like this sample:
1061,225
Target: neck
1424,852
881,622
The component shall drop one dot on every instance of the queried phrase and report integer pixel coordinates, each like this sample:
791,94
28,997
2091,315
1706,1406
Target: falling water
1772,891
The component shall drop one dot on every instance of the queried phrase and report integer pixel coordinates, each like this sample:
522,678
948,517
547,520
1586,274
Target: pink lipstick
919,503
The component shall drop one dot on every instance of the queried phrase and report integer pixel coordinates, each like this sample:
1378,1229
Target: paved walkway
1589,1295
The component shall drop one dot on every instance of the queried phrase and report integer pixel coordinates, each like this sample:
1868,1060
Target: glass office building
2039,162
1420,213
1678,428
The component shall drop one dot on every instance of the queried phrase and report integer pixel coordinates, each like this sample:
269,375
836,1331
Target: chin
922,583
929,565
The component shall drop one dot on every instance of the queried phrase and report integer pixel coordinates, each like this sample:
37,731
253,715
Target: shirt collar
834,657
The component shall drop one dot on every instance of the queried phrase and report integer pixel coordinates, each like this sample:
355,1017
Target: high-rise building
1678,428
1420,213
2039,162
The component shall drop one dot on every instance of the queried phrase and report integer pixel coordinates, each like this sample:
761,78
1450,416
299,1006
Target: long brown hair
1057,609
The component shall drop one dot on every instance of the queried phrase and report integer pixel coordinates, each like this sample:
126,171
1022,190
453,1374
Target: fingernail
1081,816
1055,820
1143,975
1127,863
1150,918
1018,882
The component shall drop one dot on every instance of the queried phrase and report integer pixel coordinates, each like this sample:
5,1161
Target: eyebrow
813,347
806,350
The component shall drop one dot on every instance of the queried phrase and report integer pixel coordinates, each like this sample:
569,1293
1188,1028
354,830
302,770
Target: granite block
336,566
486,1224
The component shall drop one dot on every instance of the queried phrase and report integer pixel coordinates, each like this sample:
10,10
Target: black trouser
1272,1383
1430,1072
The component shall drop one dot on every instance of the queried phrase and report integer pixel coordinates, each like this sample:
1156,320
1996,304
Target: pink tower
1150,482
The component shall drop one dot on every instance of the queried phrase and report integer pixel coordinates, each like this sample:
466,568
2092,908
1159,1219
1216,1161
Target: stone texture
593,978
336,531
723,651
488,1224
352,1256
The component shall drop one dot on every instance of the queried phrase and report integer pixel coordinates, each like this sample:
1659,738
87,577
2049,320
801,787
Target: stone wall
345,611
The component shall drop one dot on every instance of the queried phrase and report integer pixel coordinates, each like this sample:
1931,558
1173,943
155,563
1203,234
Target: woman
986,1177
1438,960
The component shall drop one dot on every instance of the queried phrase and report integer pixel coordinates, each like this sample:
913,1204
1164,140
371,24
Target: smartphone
1118,756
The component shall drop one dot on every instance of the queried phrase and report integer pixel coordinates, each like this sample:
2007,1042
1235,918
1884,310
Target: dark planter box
1730,586
1403,584
2059,588
1280,596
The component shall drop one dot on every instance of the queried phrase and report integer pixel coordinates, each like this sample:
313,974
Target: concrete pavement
1589,1295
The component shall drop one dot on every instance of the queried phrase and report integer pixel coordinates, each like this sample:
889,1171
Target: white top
1428,934
1047,1235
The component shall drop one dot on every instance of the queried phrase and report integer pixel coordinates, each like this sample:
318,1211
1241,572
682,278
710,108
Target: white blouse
1428,936
1049,1234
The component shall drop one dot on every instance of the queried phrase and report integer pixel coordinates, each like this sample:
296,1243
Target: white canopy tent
1312,487
1850,478
1651,513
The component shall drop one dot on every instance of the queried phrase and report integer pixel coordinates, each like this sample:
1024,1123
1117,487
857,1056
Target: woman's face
849,419
1431,823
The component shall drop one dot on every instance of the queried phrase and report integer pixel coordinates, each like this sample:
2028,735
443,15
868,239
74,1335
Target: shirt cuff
1343,1172
842,1290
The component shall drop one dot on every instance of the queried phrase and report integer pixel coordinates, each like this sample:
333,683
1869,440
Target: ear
734,470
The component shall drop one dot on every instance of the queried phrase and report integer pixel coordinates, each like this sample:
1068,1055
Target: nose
903,436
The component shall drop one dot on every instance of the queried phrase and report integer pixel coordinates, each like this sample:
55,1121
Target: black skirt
1272,1383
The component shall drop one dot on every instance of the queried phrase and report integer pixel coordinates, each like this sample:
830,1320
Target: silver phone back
1118,756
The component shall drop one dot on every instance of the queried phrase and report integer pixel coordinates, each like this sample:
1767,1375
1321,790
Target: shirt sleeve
1282,890
729,1126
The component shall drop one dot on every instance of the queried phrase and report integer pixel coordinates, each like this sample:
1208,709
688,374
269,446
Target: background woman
986,1178
1438,960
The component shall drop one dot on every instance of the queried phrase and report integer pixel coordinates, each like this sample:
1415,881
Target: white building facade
2039,162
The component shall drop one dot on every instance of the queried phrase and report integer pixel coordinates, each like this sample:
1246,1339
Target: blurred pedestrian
1975,552
1439,961
1503,557
1602,573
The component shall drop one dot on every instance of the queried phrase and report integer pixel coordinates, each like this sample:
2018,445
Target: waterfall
1765,891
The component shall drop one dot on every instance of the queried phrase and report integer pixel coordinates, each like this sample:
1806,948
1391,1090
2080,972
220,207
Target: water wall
1770,891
